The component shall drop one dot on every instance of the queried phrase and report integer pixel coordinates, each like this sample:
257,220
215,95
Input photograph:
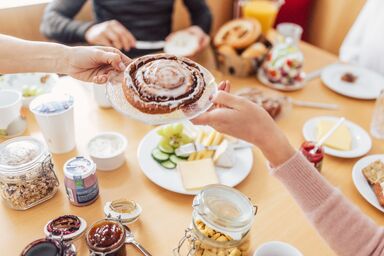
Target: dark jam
108,237
43,247
315,158
64,225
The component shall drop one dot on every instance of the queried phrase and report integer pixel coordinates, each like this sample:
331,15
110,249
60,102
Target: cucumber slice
166,148
159,156
175,159
168,165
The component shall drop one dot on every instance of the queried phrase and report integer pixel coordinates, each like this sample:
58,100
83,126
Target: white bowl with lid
107,150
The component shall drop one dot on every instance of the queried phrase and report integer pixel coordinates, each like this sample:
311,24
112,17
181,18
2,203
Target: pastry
182,43
238,33
349,77
163,83
379,192
255,51
374,173
273,105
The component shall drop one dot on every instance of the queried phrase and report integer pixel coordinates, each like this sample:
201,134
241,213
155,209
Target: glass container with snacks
316,158
81,181
221,222
106,237
27,176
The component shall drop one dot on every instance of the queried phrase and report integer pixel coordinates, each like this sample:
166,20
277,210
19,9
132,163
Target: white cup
100,95
277,248
10,106
55,121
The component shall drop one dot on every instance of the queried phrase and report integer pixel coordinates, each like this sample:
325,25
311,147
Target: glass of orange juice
265,11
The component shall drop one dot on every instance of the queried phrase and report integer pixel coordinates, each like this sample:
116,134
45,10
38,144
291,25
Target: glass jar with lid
27,176
106,237
221,222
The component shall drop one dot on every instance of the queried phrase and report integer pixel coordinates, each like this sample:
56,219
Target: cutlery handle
309,104
141,248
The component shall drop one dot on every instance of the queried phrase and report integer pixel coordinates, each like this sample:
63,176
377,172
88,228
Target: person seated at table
364,43
346,229
119,23
86,63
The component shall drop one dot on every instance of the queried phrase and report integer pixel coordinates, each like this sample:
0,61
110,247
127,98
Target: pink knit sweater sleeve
345,228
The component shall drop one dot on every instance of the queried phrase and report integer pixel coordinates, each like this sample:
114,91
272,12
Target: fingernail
121,66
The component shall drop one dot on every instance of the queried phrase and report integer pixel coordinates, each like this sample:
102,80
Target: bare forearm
17,55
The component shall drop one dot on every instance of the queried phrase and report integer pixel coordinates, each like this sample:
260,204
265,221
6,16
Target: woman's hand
243,119
94,64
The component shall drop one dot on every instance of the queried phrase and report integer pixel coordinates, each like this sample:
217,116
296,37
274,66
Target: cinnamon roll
162,83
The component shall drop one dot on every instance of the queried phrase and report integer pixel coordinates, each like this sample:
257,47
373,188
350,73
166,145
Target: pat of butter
341,139
197,174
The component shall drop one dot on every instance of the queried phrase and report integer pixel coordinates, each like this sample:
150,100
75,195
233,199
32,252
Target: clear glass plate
117,98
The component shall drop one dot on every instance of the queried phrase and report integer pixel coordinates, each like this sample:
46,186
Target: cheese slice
341,139
197,174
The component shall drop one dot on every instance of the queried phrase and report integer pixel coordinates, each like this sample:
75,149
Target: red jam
315,158
107,236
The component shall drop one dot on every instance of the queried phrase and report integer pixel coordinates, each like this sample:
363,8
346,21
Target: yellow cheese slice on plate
197,174
341,139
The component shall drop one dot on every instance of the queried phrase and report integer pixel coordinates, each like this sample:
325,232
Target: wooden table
166,214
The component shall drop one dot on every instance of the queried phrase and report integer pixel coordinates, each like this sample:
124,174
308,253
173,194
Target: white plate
281,87
18,81
361,182
361,142
171,180
367,85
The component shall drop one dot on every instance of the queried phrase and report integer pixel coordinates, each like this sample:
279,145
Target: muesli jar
27,176
221,221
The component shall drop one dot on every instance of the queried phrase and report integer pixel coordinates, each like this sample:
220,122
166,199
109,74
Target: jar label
83,195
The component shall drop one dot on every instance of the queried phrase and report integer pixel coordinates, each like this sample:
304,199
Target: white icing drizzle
165,78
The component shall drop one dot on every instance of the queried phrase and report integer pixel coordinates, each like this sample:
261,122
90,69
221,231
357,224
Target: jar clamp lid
20,152
70,227
124,210
225,207
79,167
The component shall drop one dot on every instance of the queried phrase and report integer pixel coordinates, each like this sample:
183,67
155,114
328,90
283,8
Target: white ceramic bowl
108,160
277,248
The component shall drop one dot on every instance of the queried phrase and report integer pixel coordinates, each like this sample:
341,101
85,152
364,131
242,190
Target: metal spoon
130,239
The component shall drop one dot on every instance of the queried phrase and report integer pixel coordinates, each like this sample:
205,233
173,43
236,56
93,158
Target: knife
150,45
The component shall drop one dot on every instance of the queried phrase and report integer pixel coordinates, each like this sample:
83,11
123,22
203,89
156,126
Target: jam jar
221,222
316,158
27,176
48,247
106,237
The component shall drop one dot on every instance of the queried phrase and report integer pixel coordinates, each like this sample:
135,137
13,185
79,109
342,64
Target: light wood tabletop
166,214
